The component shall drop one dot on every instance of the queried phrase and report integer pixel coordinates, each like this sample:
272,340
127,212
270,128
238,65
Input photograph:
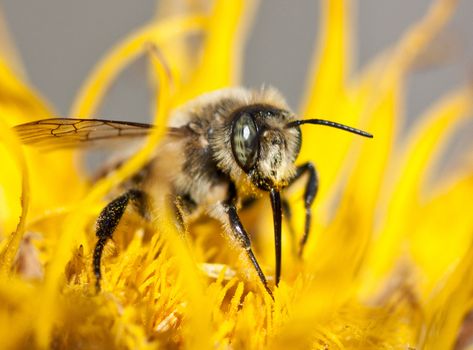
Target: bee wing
57,133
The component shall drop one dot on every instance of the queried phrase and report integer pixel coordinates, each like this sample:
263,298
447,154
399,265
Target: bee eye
245,141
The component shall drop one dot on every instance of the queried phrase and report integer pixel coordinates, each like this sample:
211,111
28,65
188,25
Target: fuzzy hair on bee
212,135
220,150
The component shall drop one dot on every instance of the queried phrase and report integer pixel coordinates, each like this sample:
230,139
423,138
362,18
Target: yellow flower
389,261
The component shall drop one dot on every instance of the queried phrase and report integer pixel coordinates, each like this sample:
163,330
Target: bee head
265,136
266,142
263,146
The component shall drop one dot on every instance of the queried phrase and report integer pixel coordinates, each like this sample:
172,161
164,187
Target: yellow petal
382,112
220,64
19,104
9,250
409,173
441,234
331,63
106,71
78,219
326,94
448,307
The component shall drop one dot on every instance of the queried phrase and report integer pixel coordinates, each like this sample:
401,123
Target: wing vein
55,133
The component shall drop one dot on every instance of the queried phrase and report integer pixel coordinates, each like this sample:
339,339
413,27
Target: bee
220,150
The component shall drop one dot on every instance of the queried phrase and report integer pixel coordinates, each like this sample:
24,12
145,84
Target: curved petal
107,70
326,94
409,172
220,64
80,216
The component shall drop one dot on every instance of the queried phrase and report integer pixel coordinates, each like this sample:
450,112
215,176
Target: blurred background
60,41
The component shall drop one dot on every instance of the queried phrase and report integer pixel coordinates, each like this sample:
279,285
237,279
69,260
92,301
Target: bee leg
287,215
275,197
183,206
179,214
243,239
108,221
310,192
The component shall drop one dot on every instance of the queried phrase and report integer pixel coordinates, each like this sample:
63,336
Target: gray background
60,41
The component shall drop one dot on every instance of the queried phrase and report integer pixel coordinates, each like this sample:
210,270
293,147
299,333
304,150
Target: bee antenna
329,123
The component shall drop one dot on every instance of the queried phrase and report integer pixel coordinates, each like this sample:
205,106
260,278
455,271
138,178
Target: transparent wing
56,133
